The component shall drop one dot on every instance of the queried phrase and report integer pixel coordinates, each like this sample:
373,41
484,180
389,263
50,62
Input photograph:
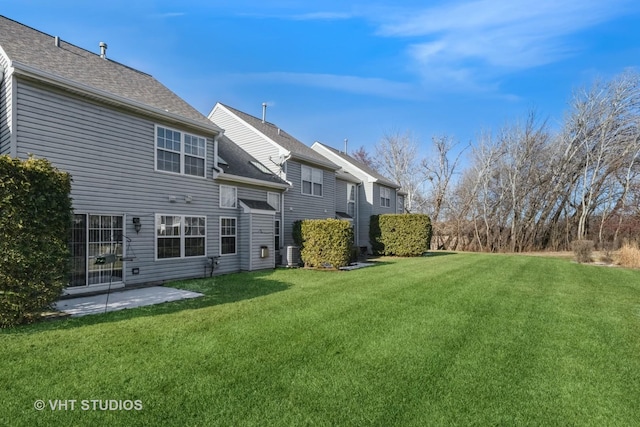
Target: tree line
527,187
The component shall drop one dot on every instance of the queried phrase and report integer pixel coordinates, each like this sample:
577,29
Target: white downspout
216,169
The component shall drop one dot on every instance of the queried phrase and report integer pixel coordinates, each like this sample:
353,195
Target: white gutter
28,71
242,179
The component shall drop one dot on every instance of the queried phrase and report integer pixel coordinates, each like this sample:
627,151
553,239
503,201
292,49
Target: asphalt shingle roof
35,49
257,204
298,149
369,170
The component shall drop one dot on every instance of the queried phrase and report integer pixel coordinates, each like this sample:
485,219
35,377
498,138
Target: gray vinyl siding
241,260
6,124
258,233
110,155
341,195
298,206
365,194
247,139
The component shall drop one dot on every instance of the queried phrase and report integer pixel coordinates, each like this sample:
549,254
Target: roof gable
342,158
29,49
282,139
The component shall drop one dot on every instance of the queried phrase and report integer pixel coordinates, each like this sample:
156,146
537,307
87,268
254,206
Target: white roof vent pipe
103,50
264,112
56,41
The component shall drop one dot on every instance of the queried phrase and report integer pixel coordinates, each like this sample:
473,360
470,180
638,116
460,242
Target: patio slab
120,300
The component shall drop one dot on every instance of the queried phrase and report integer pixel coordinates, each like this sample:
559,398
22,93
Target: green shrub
326,242
583,249
400,234
296,233
34,233
375,236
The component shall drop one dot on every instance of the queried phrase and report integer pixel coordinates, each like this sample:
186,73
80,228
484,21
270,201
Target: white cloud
471,42
351,84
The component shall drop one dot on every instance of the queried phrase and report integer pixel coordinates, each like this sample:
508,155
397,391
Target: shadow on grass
439,253
217,290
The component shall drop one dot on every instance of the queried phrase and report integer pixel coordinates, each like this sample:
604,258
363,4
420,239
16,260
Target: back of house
143,162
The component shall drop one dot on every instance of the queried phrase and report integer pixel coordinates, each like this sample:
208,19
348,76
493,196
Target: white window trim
235,199
182,152
312,181
271,193
349,199
388,194
228,235
182,236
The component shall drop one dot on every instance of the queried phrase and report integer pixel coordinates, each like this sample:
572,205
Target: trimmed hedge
35,225
400,234
326,242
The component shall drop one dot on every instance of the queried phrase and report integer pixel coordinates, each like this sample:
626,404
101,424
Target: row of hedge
400,234
329,242
35,223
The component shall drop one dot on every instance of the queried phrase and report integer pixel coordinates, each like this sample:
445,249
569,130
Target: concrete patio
122,299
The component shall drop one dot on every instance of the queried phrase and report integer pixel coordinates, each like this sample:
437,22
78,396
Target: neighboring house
249,201
145,181
374,193
311,176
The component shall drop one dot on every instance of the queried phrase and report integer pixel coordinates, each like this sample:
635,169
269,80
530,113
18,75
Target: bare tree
397,155
363,156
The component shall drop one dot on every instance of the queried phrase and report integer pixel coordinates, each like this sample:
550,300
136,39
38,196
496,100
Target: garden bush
400,234
34,232
326,242
629,255
583,249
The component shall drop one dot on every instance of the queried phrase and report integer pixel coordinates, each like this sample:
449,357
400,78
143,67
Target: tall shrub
35,221
326,242
401,234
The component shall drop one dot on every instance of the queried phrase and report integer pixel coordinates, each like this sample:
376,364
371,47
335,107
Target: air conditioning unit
292,256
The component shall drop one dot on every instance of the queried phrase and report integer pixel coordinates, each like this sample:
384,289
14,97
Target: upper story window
351,200
274,200
228,197
385,197
312,181
180,152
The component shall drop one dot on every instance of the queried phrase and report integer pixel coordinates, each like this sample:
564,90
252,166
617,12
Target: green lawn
457,339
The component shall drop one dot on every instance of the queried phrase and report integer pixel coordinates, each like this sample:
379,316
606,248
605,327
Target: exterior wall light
136,224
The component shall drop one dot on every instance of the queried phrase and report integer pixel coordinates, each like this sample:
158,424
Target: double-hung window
228,197
180,152
179,236
385,197
351,200
311,181
228,236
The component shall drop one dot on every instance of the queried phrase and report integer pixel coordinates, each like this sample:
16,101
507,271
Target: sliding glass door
93,236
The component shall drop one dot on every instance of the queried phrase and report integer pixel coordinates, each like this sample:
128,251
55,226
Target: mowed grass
458,339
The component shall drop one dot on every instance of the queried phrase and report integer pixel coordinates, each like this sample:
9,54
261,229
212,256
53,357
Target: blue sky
331,70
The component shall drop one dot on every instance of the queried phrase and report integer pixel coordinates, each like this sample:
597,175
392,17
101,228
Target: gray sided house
367,191
310,175
141,158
